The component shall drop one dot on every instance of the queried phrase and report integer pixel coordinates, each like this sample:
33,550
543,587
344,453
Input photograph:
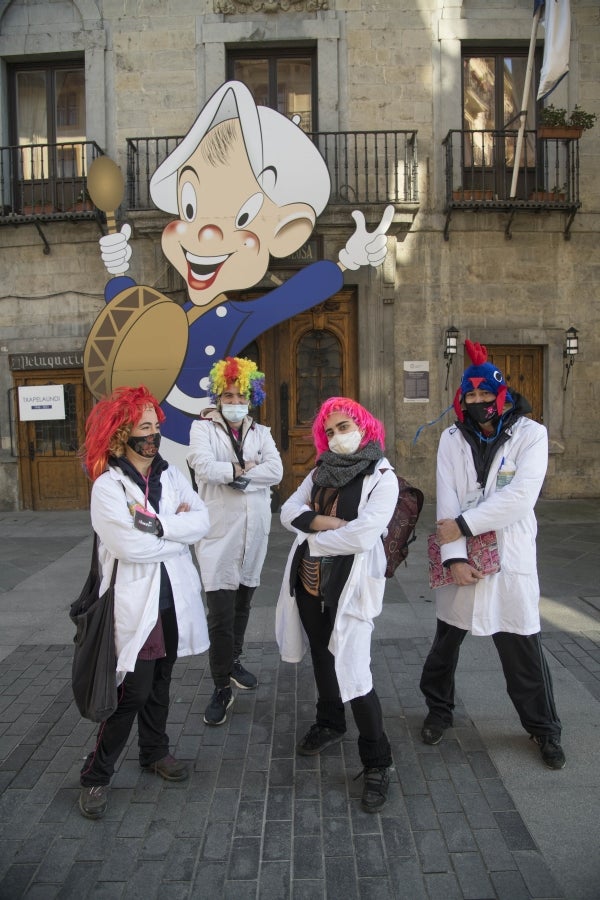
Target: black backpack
401,527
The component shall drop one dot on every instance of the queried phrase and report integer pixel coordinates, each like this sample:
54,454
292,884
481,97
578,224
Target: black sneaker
317,738
93,801
375,789
431,734
242,677
552,752
216,711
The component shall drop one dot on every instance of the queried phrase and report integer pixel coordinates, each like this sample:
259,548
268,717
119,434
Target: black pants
145,693
373,745
528,679
228,613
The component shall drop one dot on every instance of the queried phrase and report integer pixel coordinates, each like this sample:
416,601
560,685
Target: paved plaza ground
477,816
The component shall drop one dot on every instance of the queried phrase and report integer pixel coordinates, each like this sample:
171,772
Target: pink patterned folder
482,551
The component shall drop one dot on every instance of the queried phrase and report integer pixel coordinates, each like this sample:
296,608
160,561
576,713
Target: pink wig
110,423
371,427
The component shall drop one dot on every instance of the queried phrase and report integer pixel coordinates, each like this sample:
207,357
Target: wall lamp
571,350
450,349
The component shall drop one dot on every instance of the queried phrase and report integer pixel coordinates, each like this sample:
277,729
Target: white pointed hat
285,161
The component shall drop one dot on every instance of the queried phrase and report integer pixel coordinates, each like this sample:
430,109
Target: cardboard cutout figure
245,183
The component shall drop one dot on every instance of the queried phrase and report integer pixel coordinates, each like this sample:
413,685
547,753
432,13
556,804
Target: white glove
366,248
116,251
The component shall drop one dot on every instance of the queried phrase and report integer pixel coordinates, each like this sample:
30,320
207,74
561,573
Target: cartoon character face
227,225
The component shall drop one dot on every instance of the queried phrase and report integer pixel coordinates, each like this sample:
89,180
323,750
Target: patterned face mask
481,413
145,445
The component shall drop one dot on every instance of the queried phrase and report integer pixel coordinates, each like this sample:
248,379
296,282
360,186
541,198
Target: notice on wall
39,402
416,381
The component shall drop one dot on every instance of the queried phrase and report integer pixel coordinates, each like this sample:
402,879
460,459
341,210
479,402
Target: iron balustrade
365,167
479,166
42,182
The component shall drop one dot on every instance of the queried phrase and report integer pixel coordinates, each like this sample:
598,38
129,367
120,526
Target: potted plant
557,194
471,194
556,124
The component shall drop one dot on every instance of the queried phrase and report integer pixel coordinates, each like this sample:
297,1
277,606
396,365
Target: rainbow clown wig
371,427
244,371
110,423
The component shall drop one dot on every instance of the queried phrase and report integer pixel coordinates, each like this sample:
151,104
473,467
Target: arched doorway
306,359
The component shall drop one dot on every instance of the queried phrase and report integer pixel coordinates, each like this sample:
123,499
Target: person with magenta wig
146,515
334,582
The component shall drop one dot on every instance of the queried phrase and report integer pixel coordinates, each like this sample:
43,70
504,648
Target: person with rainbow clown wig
334,583
491,466
235,464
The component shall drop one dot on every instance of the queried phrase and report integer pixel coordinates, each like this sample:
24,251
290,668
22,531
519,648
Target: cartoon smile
203,270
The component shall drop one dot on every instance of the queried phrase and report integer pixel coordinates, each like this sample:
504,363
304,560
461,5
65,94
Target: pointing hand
366,248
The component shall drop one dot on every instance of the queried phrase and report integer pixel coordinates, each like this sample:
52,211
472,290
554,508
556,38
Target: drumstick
106,187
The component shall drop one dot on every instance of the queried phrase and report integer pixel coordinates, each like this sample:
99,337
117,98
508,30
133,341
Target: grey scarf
338,469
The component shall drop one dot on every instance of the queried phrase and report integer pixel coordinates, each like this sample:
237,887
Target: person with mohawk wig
491,466
235,464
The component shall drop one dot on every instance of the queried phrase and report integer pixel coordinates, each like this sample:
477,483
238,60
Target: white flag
556,19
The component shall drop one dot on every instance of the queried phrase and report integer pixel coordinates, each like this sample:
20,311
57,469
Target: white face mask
345,443
234,412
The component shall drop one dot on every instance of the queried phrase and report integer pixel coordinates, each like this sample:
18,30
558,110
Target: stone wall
382,64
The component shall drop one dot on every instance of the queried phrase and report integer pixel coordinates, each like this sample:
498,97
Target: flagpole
523,111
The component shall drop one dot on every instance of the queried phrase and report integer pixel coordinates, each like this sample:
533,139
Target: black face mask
481,413
145,445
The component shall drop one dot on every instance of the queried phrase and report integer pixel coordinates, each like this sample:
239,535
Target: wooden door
523,368
50,471
306,359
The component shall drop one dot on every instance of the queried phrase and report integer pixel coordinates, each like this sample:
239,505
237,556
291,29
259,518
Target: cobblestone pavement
475,817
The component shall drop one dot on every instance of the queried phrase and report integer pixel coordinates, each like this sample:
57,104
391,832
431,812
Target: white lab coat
137,585
509,600
362,596
234,550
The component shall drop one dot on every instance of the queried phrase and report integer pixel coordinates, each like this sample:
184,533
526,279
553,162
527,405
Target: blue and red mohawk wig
482,376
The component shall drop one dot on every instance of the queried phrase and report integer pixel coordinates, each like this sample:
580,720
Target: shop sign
68,359
40,402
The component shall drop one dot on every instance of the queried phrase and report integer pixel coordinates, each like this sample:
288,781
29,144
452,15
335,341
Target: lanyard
147,482
237,445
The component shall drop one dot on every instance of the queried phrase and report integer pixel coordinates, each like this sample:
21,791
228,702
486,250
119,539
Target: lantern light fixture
450,348
570,351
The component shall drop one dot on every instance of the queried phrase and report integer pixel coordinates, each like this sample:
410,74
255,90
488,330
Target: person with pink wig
334,583
235,463
145,515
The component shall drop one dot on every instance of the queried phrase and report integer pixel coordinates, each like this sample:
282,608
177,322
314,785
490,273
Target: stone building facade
514,280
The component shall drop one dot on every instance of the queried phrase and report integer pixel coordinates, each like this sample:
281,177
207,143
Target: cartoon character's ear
293,229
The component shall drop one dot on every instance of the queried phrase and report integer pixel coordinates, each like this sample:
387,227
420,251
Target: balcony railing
46,182
366,167
479,169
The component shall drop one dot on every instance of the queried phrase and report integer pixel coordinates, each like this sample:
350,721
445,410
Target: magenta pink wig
371,427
